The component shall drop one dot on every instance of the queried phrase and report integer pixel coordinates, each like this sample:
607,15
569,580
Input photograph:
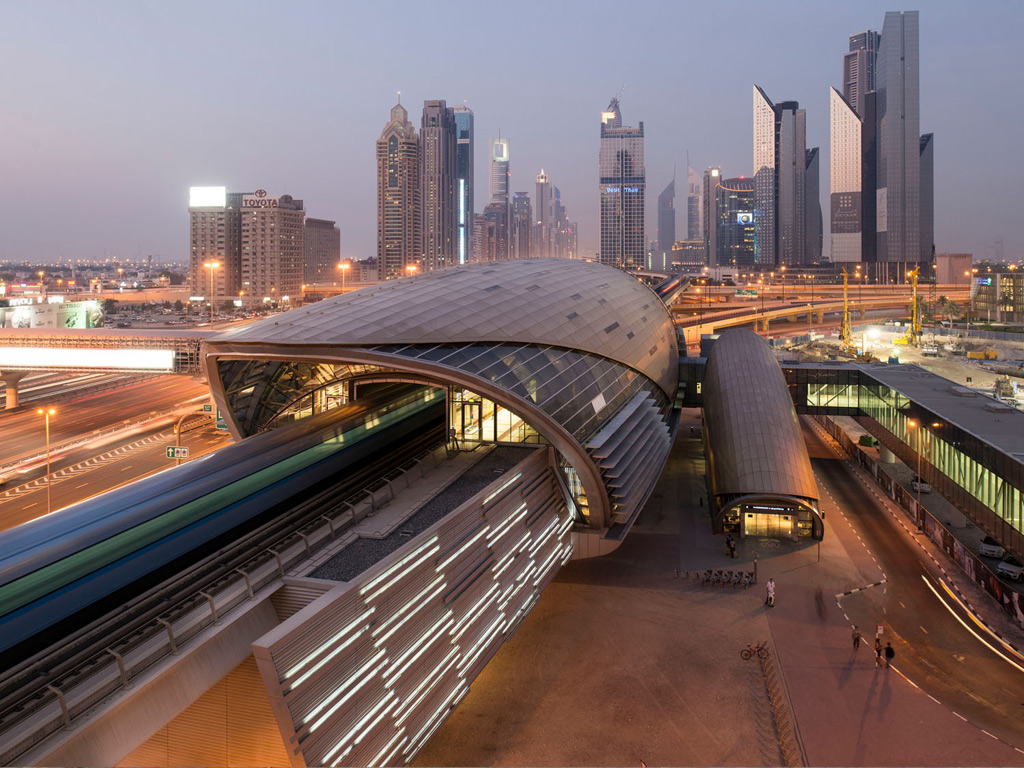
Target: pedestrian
770,598
889,653
856,637
878,653
730,546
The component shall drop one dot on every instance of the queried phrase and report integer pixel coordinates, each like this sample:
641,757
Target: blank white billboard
207,197
58,357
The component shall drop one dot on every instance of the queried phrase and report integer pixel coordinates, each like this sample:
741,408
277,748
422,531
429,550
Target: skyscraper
694,206
898,159
734,223
780,175
667,221
499,170
859,69
545,217
846,163
321,251
495,243
522,226
398,196
927,197
812,211
464,181
437,185
622,191
709,214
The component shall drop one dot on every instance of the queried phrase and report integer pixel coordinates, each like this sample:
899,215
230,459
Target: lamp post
343,266
46,413
212,266
783,269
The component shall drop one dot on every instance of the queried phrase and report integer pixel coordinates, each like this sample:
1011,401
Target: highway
939,647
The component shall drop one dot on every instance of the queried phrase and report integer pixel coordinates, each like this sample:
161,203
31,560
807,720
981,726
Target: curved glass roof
566,303
754,441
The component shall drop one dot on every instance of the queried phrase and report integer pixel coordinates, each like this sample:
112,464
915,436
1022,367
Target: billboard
744,218
259,199
207,197
72,314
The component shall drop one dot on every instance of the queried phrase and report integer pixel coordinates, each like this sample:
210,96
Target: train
55,566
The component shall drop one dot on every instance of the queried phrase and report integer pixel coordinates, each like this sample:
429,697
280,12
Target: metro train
54,566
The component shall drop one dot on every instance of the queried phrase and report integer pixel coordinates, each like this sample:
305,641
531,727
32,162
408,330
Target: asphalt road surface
938,645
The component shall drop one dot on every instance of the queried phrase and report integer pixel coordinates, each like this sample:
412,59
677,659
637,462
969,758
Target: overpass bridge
95,350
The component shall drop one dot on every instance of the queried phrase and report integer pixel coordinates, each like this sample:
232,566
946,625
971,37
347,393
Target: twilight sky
109,111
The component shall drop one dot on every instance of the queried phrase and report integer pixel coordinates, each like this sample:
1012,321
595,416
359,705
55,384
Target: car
920,485
1011,568
3,480
989,547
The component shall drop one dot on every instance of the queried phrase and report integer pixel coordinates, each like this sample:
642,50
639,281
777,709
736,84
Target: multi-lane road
939,645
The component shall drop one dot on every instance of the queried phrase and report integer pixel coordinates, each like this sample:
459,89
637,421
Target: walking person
856,637
889,653
770,597
878,653
730,546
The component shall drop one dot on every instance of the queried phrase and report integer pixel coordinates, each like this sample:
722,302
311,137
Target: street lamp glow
47,413
212,266
344,267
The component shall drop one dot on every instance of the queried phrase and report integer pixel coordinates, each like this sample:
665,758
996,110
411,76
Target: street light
411,269
47,413
343,266
212,265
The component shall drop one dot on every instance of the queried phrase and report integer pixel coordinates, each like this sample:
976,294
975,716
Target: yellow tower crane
845,331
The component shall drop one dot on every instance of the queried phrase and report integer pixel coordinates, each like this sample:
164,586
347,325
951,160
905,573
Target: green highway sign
177,451
207,408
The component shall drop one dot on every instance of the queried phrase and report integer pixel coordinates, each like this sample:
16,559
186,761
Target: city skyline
122,144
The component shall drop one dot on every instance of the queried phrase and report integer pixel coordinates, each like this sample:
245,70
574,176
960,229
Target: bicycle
761,649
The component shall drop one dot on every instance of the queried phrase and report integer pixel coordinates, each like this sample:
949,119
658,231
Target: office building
545,217
712,180
273,236
812,212
859,69
927,161
494,242
622,191
522,226
399,226
464,146
437,185
667,221
215,220
694,206
898,159
953,268
499,170
321,251
846,164
688,256
780,168
734,223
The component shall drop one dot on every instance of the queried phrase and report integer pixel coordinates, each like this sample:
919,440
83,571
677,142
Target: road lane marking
922,629
961,717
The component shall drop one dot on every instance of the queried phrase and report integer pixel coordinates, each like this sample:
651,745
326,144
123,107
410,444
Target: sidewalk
621,661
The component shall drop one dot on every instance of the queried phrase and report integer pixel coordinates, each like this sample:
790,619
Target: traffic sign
220,421
207,408
177,451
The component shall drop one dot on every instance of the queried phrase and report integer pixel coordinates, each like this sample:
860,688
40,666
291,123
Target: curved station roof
755,447
586,354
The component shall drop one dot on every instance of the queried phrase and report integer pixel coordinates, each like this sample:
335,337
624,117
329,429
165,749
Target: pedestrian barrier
782,722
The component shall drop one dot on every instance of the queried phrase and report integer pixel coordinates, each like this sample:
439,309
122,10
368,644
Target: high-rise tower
859,69
667,222
812,210
398,196
898,159
522,226
846,163
780,175
694,207
464,210
622,191
545,217
499,170
437,185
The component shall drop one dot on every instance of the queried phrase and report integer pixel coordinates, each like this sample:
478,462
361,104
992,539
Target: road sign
177,451
207,408
220,421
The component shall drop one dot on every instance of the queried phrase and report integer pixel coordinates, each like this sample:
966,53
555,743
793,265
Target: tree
178,306
109,305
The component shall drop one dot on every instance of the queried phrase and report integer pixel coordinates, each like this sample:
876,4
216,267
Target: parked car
989,547
1011,568
920,485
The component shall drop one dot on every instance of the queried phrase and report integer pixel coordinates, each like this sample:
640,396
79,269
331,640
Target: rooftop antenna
399,98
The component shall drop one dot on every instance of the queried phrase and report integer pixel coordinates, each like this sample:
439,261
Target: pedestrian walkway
622,661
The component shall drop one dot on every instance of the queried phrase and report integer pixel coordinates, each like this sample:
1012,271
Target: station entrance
772,520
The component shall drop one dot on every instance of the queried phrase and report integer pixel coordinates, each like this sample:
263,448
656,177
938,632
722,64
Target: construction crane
845,331
913,333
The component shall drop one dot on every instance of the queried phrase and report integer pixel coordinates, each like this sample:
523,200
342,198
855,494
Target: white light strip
500,488
552,558
435,720
426,686
472,614
348,736
399,576
376,721
508,525
361,677
455,555
354,625
482,644
379,758
411,556
544,537
425,603
508,560
424,643
66,357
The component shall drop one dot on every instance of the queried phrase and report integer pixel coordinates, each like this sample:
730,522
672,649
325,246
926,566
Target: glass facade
622,192
985,482
735,213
